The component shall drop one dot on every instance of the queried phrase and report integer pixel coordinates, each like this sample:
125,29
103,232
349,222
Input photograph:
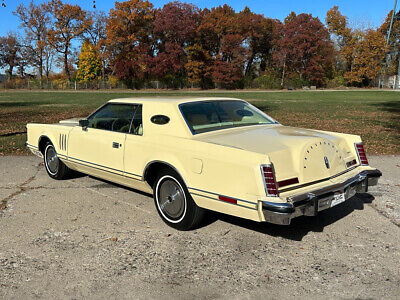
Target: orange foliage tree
70,22
129,43
368,54
362,52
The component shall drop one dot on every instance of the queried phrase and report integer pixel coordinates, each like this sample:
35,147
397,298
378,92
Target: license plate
338,197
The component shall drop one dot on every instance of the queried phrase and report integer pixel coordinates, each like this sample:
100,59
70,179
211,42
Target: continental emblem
326,162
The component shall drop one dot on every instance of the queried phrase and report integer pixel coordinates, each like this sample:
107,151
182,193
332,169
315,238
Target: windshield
207,116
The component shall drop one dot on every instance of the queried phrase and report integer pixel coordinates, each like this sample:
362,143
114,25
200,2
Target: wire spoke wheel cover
171,199
51,159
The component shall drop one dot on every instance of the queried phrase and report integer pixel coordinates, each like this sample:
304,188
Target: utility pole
387,44
391,23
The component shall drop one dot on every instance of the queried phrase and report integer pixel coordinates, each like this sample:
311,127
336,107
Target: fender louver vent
63,142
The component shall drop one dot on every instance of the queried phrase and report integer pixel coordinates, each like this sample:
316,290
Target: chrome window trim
273,122
133,117
119,103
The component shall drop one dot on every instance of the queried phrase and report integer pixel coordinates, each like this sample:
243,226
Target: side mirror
84,123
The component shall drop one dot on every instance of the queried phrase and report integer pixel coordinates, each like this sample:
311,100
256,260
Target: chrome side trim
31,146
216,199
34,149
89,164
162,162
215,194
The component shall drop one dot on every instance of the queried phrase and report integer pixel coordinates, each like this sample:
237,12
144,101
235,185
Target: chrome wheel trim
52,162
171,199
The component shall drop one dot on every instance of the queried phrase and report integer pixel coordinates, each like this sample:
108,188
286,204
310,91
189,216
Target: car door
100,146
135,150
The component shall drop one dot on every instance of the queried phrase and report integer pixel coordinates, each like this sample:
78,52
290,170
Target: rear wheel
174,203
54,166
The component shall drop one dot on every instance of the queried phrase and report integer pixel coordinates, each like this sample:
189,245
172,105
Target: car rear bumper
309,204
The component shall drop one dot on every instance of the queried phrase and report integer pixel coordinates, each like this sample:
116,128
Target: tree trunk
283,73
9,72
103,70
66,68
249,65
41,67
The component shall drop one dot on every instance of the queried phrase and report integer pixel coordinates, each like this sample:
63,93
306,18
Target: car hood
295,152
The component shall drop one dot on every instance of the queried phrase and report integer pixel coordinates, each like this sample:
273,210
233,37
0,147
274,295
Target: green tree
89,63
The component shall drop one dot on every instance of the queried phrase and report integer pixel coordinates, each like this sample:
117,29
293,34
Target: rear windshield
207,116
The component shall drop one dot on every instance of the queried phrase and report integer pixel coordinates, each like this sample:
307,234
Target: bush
336,81
61,83
295,83
113,81
267,81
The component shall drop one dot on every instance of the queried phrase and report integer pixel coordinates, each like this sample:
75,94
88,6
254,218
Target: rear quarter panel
210,170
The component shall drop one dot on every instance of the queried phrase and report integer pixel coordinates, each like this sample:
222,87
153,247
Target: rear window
207,116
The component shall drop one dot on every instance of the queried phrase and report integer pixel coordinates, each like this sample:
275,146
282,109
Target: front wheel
54,166
174,203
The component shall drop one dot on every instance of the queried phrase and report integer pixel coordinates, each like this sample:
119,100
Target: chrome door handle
116,145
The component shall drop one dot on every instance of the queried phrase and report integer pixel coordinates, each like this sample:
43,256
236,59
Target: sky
366,13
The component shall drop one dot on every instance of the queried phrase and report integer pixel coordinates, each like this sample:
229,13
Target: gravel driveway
85,238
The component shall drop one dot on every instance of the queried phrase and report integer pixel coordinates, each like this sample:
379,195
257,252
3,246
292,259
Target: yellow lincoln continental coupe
220,154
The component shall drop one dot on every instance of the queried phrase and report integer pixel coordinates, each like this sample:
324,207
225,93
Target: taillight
361,154
269,180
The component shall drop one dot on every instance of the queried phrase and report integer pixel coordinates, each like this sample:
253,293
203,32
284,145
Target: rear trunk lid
305,154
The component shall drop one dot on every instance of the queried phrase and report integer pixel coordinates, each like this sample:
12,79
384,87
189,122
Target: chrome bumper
309,204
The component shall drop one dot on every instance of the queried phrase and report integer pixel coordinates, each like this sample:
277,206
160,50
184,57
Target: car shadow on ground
300,226
296,231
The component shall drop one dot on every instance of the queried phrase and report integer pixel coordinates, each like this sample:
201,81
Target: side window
137,124
113,117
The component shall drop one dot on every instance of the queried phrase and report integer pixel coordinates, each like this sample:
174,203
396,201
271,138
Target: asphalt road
85,238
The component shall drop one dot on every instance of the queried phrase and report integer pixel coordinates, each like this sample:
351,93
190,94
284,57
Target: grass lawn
375,115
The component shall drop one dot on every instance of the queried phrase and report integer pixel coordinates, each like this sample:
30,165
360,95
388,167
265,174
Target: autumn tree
259,36
361,52
10,53
219,34
305,50
367,57
394,41
35,20
174,29
198,66
345,37
128,41
48,60
70,22
96,34
89,63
